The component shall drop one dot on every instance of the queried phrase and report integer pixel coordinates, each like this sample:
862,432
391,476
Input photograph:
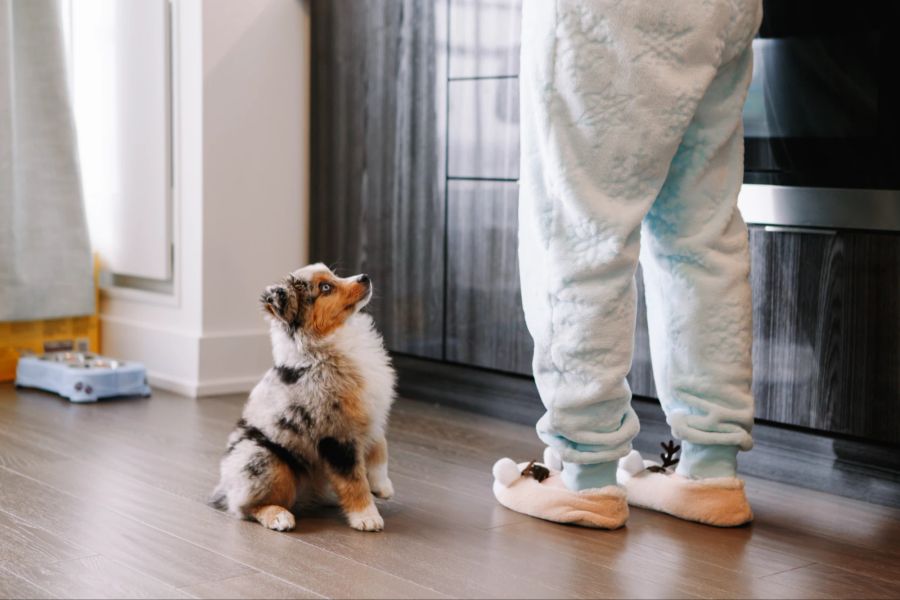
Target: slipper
538,491
718,501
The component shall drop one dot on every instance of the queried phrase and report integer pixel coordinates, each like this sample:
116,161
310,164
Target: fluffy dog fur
314,426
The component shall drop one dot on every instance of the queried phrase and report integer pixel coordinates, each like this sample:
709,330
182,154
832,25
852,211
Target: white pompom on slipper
549,499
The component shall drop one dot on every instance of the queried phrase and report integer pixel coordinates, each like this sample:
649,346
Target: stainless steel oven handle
828,208
779,229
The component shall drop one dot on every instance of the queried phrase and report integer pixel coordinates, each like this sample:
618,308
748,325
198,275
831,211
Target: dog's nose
364,279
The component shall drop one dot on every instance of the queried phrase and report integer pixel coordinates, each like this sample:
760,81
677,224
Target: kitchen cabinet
826,328
377,160
485,324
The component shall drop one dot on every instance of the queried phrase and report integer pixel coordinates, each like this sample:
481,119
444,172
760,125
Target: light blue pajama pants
632,144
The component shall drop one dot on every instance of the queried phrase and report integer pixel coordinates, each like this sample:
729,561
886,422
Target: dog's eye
325,288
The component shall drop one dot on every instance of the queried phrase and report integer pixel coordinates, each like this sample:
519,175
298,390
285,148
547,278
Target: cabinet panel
641,376
484,38
376,173
483,128
827,331
485,323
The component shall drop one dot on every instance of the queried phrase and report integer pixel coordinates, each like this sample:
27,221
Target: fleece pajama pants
632,147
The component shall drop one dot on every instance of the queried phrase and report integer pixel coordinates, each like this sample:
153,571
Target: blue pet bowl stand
82,376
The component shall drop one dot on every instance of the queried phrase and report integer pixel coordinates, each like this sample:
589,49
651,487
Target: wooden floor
108,500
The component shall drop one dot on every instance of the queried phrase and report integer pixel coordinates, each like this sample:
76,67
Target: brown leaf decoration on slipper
668,457
539,472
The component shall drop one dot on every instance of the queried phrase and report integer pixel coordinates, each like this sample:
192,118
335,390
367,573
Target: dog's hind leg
272,510
274,517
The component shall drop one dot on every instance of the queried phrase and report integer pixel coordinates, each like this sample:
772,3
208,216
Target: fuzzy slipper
537,491
718,501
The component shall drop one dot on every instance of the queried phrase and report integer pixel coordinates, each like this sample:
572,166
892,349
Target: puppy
314,426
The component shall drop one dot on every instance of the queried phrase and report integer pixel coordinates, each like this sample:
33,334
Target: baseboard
182,387
228,385
210,387
232,361
186,363
848,467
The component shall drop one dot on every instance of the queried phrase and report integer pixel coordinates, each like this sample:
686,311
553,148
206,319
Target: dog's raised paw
366,520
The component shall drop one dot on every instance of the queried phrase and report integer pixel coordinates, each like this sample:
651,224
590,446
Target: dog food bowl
82,376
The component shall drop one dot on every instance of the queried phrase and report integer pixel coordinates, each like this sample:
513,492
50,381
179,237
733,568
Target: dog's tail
218,499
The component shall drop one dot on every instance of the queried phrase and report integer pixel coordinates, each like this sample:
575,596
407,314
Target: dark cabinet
826,325
377,160
641,376
485,324
414,168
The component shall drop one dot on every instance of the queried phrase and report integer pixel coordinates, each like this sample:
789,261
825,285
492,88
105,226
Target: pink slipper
540,492
719,501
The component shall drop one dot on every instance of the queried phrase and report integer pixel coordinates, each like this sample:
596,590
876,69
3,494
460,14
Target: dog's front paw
383,489
366,520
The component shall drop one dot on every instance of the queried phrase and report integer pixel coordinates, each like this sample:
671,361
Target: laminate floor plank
255,585
87,522
13,586
667,570
169,463
18,452
21,543
828,581
94,577
108,499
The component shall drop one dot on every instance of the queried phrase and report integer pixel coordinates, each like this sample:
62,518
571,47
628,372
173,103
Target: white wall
241,107
255,65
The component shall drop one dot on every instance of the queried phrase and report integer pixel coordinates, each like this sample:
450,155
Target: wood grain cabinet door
485,322
641,376
826,312
377,176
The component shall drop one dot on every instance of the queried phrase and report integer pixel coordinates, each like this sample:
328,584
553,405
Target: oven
822,118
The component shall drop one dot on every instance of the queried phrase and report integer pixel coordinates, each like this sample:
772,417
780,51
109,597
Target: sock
701,461
582,477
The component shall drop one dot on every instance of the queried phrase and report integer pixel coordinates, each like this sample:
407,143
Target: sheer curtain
45,257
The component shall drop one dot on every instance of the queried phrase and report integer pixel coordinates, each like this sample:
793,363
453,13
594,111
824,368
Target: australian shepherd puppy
314,426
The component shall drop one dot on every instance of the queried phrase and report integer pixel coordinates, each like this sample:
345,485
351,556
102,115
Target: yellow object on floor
76,334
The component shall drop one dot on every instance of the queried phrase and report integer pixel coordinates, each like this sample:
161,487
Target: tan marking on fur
353,408
329,311
348,391
353,492
283,491
377,454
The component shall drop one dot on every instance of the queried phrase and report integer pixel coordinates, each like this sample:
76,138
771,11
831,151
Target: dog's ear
302,289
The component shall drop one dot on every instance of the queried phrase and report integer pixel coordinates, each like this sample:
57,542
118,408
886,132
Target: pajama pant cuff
701,461
577,477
